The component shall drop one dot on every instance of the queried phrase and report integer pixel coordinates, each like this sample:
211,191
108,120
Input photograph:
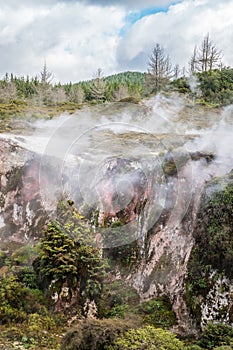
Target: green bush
117,300
37,332
181,85
215,335
147,338
192,347
118,311
28,278
17,301
157,312
216,86
24,256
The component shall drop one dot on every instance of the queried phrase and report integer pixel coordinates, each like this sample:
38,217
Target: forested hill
112,88
126,78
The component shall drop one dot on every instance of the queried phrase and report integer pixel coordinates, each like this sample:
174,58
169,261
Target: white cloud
75,39
131,4
178,30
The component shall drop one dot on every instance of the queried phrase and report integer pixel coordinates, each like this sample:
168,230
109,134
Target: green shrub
12,296
37,332
118,311
147,338
216,335
24,256
17,301
181,85
117,299
216,86
28,278
157,312
192,347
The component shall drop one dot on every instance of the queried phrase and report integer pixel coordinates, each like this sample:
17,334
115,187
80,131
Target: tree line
213,79
40,90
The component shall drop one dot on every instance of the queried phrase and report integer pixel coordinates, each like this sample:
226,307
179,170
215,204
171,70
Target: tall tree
177,71
206,58
160,68
68,258
45,75
99,87
193,63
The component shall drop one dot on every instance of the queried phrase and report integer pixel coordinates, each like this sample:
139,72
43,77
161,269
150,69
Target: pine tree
160,69
99,87
45,75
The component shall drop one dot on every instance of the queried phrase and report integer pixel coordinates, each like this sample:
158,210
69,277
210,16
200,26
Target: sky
76,37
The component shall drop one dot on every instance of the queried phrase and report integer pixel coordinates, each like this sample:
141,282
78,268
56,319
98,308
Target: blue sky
133,17
76,37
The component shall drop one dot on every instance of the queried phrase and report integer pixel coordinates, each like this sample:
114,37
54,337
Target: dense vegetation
213,249
69,285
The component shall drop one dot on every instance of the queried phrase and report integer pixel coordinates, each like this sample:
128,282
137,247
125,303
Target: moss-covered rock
212,256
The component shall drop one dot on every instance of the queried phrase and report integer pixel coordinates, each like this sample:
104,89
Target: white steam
74,148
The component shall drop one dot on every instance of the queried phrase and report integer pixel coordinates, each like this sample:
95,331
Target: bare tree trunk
206,58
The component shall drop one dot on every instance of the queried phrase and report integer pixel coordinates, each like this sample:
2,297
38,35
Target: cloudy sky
76,37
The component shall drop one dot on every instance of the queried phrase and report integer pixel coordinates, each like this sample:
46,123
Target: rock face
21,211
151,202
183,237
157,221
